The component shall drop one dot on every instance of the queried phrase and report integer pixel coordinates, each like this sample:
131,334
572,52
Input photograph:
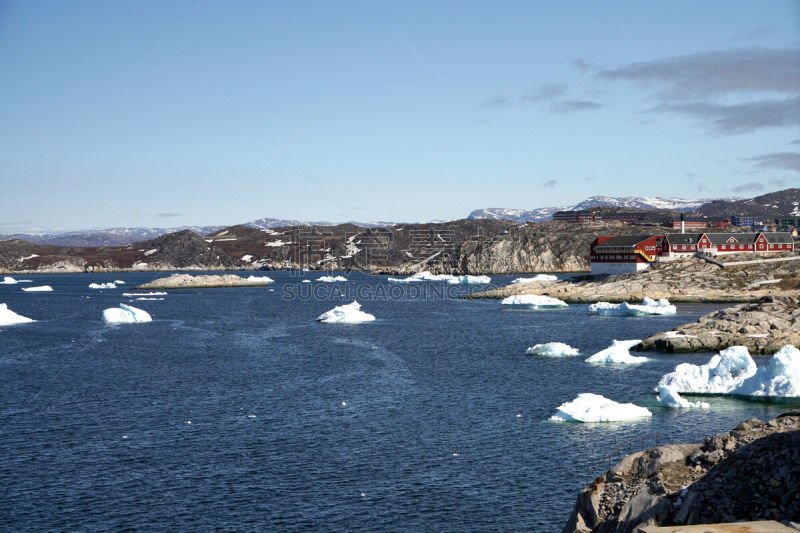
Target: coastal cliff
750,473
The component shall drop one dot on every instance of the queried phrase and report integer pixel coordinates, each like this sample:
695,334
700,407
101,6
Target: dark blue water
95,432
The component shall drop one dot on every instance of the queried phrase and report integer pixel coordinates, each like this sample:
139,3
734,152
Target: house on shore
633,253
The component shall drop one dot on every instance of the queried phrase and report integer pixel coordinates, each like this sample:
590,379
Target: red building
625,253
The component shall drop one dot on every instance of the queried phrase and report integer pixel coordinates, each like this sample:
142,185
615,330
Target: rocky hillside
766,206
686,280
763,327
750,473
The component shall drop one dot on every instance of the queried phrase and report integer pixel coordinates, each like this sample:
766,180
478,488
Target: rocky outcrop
749,473
688,280
187,281
763,327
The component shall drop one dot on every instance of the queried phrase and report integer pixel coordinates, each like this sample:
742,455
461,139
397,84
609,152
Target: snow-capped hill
516,215
641,202
629,202
270,223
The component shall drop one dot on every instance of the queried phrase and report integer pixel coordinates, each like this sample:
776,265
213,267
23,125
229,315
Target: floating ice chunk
331,279
533,301
423,276
8,280
144,293
346,314
648,307
723,373
152,299
588,407
552,349
618,354
119,282
536,278
669,397
9,317
306,281
102,286
780,378
469,280
125,314
260,280
40,288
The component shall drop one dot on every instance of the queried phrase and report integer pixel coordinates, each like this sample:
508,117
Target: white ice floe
306,281
346,314
588,407
152,299
536,278
40,288
9,317
125,314
331,279
780,378
648,307
158,293
119,282
723,373
618,354
469,280
533,301
553,349
669,397
8,280
102,286
428,276
260,280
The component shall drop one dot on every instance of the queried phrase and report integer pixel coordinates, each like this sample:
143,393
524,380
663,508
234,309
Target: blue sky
143,113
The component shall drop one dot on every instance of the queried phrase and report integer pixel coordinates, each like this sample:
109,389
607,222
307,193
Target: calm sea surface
234,410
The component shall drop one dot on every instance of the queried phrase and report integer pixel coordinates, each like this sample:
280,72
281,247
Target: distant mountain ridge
630,202
766,206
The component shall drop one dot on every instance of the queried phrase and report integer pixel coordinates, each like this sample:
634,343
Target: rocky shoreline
750,473
187,281
763,327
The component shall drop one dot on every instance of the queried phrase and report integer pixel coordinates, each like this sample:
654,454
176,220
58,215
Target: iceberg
648,307
8,280
618,354
469,280
119,282
331,279
125,314
102,286
40,288
588,407
144,293
306,281
533,301
9,317
779,379
260,280
537,277
346,314
669,397
552,349
723,373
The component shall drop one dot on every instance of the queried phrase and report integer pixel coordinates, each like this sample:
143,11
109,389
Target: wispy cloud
545,93
583,66
777,182
796,141
572,106
706,74
778,160
755,34
753,186
740,118
494,102
16,223
550,183
168,215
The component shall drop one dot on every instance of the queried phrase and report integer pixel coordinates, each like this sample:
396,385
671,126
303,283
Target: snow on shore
553,349
618,354
125,314
533,301
346,314
9,317
588,407
648,307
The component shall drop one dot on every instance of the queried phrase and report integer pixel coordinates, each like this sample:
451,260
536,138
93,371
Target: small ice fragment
9,317
533,301
344,404
617,354
552,349
588,407
40,288
125,314
102,286
346,314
